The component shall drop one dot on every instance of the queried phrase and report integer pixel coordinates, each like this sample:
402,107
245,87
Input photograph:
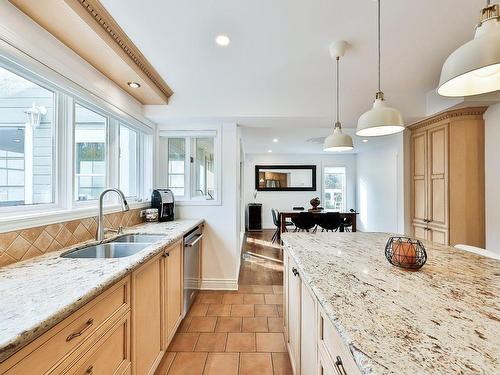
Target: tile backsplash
28,243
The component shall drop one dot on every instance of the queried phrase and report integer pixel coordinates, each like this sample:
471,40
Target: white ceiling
278,67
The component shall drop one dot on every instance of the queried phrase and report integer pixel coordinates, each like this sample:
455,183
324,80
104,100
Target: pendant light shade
338,141
381,119
474,68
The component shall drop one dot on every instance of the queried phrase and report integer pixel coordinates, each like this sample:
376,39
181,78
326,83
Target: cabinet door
294,305
146,316
174,281
438,175
308,347
419,176
437,235
420,231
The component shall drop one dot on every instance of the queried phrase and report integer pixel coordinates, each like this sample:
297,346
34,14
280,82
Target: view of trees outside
334,188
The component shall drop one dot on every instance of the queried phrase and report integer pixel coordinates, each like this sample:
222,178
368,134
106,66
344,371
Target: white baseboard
219,284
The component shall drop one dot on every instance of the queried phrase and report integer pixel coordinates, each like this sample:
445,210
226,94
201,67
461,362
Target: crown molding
449,115
101,21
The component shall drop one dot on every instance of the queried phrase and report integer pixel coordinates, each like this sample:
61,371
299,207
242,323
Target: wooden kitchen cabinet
173,303
447,177
147,290
300,317
57,350
314,345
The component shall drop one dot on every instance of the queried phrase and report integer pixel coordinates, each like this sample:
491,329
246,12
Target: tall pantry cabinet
447,177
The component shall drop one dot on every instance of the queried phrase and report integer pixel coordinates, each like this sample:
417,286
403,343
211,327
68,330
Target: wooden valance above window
87,28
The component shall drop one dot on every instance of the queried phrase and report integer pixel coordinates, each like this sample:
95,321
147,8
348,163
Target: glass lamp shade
380,120
338,141
474,68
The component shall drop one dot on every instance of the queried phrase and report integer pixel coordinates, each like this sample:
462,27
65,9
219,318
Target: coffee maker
163,200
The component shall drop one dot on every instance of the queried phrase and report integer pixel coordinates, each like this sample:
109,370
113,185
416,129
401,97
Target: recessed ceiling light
134,85
275,140
365,140
222,40
269,150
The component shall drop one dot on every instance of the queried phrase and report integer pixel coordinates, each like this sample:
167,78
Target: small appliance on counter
163,200
151,215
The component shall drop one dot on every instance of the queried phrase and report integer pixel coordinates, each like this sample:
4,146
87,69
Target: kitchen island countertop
442,319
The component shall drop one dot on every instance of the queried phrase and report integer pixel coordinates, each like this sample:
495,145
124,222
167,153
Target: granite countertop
38,293
443,319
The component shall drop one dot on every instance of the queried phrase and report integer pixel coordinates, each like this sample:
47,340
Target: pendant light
338,141
474,68
381,119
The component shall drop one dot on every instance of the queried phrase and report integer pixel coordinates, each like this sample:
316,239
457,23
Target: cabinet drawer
110,355
331,344
64,343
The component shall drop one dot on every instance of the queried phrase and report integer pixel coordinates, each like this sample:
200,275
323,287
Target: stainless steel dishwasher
192,265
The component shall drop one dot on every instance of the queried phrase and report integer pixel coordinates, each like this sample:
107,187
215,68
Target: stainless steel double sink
120,247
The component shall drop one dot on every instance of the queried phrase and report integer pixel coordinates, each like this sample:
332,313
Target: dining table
288,215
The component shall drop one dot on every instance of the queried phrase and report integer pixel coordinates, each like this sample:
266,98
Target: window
90,153
334,188
191,170
177,166
26,142
59,150
203,184
129,161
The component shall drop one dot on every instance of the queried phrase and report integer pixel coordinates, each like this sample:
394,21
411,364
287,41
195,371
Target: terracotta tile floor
228,332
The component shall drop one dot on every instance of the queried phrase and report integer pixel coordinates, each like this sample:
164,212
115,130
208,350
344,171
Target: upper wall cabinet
89,30
447,152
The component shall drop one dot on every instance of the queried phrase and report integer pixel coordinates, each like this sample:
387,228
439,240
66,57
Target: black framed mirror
285,177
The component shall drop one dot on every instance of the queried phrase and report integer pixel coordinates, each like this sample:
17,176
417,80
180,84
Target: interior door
294,305
419,177
438,175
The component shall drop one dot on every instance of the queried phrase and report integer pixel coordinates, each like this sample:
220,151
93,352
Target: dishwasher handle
192,243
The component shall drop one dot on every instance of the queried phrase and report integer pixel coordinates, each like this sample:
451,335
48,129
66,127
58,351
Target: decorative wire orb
405,252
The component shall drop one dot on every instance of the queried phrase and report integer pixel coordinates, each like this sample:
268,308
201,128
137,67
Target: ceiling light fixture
222,40
381,119
338,141
365,140
474,68
134,85
275,140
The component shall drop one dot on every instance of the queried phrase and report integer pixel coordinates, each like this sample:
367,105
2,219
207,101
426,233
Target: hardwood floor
261,271
236,332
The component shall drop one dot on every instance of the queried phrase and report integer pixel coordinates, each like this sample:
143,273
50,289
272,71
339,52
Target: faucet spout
100,217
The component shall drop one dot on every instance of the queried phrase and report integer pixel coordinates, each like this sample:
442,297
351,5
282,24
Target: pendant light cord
337,79
378,20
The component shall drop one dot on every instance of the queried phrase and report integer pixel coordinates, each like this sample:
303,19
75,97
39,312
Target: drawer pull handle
295,272
88,324
90,370
339,366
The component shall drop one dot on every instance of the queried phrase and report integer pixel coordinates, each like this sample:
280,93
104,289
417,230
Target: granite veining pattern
443,319
38,293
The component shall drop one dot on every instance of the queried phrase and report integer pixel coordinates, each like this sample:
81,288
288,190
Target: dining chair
277,223
304,222
329,221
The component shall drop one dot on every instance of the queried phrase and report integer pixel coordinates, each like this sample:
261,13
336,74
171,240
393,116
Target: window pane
90,153
128,161
176,165
334,187
203,173
26,142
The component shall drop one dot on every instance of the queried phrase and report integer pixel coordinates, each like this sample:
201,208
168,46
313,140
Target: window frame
66,94
137,161
344,188
189,135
